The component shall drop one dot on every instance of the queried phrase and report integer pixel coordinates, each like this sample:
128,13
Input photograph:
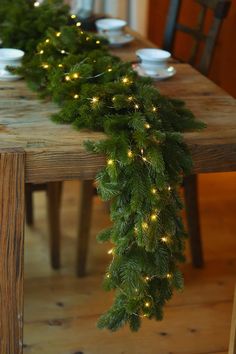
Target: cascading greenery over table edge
145,152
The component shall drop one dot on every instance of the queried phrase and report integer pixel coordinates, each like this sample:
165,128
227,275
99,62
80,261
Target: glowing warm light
168,276
108,276
153,217
147,304
45,66
76,96
98,42
67,78
154,109
109,70
111,251
147,126
130,154
75,76
169,188
60,66
125,80
95,100
147,278
36,4
144,226
62,51
73,16
130,98
135,230
113,98
41,52
165,239
78,24
58,34
47,40
136,106
153,190
110,162
144,159
87,38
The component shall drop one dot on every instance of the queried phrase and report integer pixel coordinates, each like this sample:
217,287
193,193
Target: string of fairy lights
94,101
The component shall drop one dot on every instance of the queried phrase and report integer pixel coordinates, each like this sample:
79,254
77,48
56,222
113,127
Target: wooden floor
61,310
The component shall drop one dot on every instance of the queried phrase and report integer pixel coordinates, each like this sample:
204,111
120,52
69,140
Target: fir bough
146,160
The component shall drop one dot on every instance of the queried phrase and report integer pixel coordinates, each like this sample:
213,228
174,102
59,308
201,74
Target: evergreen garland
146,161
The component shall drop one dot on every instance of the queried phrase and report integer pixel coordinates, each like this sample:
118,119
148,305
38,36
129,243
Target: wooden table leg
12,186
85,213
54,194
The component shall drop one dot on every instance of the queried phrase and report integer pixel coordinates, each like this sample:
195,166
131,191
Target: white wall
134,11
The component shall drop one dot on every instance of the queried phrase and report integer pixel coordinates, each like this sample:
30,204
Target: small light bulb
136,106
109,70
125,80
87,38
47,40
78,24
130,98
75,76
111,251
130,154
169,188
153,217
36,4
41,52
164,239
62,51
135,230
76,96
94,100
73,16
144,226
154,109
108,276
168,276
67,78
153,190
60,66
147,126
110,162
147,278
113,98
98,42
147,304
136,290
45,66
144,159
58,34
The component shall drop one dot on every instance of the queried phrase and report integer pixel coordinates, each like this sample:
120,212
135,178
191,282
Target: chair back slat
220,10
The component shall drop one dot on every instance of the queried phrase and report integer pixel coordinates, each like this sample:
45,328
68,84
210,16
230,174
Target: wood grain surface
56,152
11,250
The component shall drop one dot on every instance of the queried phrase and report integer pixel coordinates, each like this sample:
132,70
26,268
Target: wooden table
35,150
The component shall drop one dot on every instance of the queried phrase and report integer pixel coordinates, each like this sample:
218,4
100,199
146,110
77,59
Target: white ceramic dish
121,40
152,60
111,26
9,57
163,74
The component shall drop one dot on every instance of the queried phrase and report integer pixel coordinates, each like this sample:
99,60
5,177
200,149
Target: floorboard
61,310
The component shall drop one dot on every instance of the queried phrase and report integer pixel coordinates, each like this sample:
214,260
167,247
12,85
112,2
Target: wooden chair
220,10
54,196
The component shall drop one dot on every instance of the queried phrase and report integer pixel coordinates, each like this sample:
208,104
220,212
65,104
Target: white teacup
153,61
9,57
111,27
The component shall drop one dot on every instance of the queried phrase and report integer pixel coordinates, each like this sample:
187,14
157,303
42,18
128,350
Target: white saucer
162,75
120,40
8,76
